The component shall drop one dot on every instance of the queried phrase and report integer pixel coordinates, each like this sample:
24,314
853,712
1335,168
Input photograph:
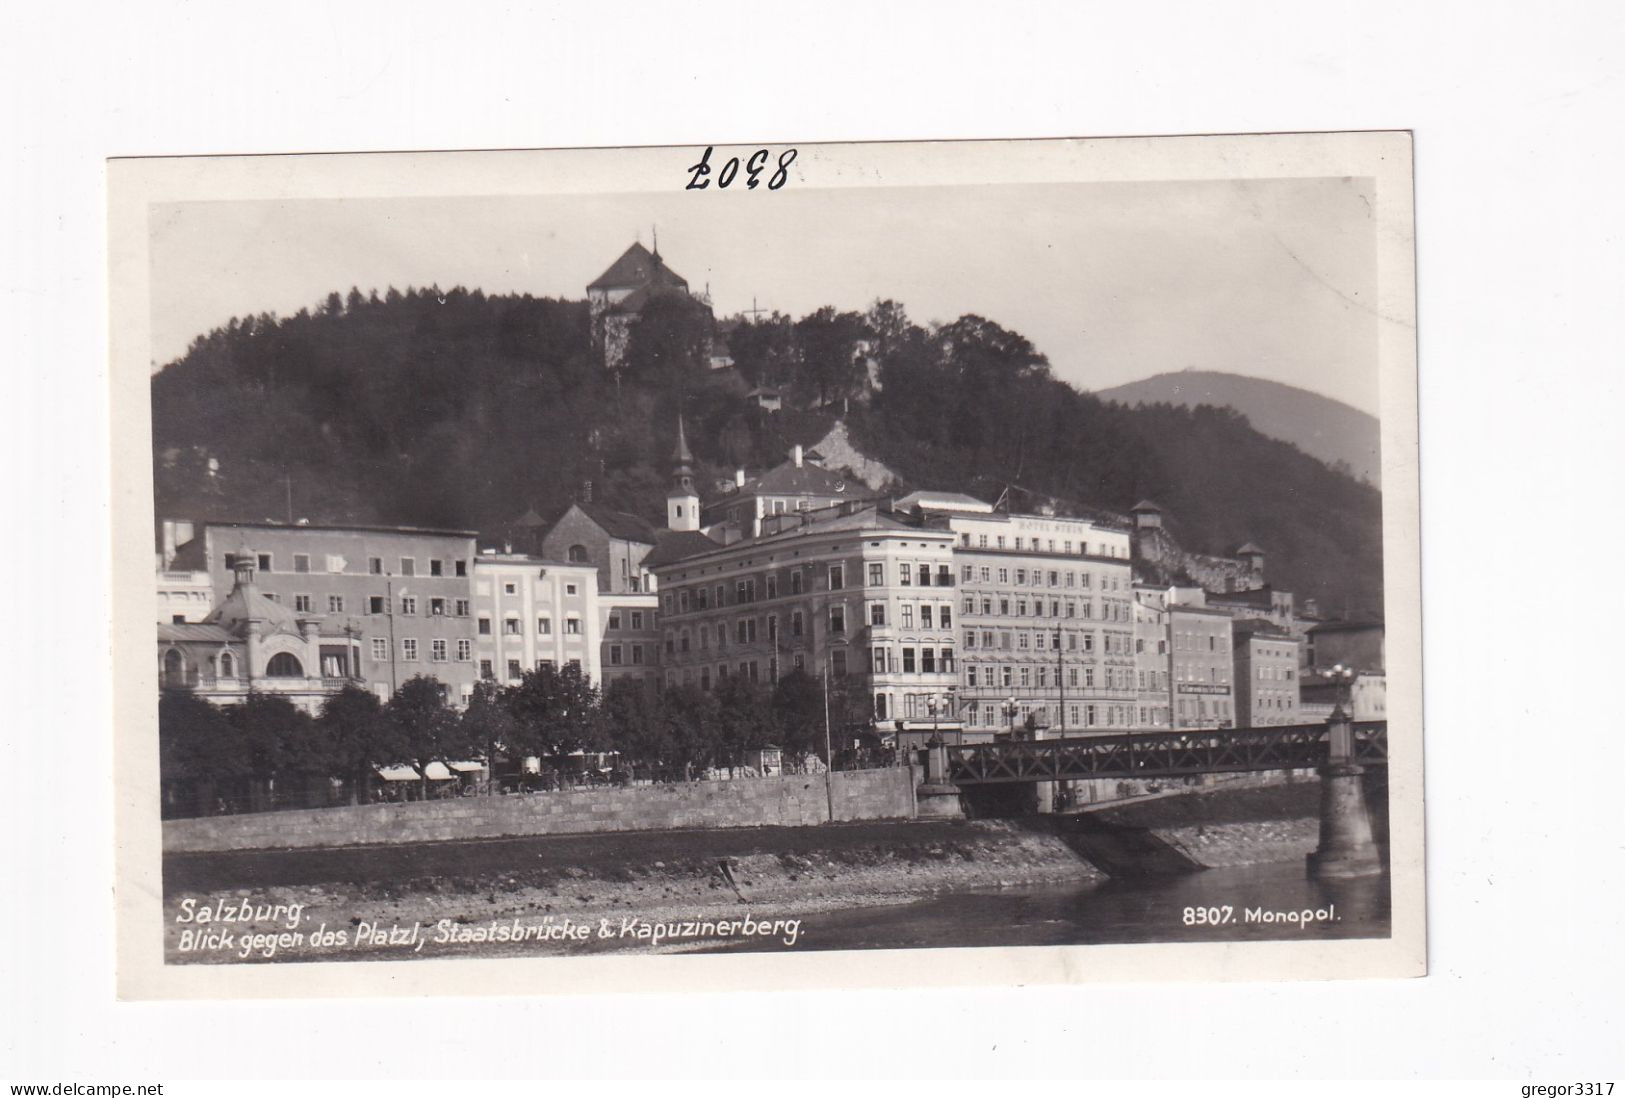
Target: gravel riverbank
598,882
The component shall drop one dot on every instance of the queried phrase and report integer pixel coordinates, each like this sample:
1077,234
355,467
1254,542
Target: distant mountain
1319,426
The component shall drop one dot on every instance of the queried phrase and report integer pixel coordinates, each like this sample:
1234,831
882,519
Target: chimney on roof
795,454
739,478
586,490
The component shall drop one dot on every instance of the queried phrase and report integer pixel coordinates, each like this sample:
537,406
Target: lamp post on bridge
1346,846
1010,711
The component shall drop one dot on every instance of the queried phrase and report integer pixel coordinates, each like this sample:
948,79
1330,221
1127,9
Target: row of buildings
950,617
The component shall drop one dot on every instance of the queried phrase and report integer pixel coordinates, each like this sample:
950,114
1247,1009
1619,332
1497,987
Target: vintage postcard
767,566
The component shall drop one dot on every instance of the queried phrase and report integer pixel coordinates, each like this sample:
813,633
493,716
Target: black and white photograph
928,553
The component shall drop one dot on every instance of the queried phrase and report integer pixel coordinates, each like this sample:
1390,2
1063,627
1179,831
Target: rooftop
619,524
265,524
638,267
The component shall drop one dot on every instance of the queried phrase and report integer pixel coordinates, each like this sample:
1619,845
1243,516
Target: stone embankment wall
753,802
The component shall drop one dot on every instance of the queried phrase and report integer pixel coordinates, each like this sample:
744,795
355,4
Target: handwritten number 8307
754,165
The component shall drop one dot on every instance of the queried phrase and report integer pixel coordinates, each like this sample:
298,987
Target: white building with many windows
529,611
1046,620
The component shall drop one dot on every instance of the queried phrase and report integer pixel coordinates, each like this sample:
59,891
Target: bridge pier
937,797
1346,846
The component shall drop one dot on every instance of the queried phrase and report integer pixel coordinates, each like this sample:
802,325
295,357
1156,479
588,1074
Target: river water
1116,911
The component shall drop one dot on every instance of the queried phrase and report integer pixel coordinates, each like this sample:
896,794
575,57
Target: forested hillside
457,409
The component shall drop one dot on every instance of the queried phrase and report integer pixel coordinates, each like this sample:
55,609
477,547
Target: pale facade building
530,612
1045,619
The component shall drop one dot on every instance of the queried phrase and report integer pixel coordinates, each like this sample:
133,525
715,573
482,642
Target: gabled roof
1249,549
530,518
1147,505
805,479
638,267
675,545
619,524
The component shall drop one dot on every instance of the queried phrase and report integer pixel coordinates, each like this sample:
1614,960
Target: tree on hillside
426,729
831,360
764,351
555,713
668,347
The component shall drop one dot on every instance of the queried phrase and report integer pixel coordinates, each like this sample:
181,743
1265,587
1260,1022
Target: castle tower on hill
618,296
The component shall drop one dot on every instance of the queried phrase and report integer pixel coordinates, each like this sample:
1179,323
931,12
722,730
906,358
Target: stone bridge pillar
1346,847
937,796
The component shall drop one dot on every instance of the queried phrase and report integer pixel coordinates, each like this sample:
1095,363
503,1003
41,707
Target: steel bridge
1163,754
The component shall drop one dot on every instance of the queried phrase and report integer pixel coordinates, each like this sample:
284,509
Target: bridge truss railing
1161,754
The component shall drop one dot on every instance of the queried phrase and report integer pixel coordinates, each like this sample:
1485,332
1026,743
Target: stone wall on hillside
752,802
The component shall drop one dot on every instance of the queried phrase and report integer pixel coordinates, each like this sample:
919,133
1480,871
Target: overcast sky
1113,281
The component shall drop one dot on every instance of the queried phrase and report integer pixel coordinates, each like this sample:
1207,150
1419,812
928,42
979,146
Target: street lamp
1010,711
934,705
1343,679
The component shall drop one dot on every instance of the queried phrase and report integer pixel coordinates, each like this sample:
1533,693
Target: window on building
908,615
380,649
460,567
925,575
795,585
409,566
486,671
615,655
437,567
437,650
925,615
795,623
571,589
578,554
285,665
637,653
637,619
837,577
905,575
465,650
264,562
335,604
877,658
437,608
514,673
837,620
409,649
301,604
544,626
908,661
928,660
877,574
484,626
